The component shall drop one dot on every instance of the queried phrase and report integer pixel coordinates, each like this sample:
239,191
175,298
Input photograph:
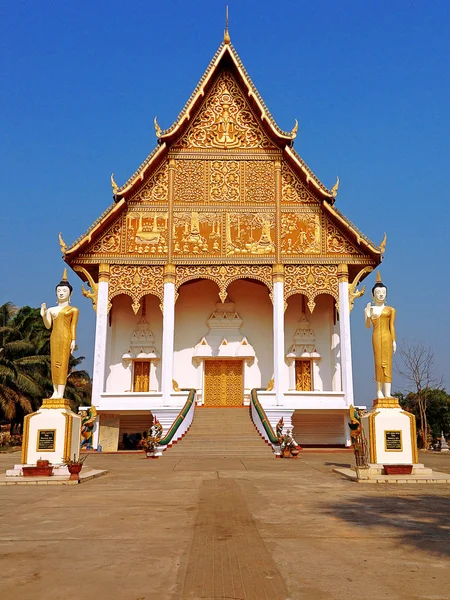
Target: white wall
321,321
123,323
196,303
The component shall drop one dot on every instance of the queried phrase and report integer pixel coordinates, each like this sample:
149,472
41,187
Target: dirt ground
225,529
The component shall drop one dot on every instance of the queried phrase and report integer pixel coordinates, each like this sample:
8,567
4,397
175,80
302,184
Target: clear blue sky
368,82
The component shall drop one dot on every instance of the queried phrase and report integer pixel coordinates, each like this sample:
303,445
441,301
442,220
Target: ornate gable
225,121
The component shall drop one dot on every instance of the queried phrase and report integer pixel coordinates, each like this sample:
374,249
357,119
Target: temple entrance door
223,383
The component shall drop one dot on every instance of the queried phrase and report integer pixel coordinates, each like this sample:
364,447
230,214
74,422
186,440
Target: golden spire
294,130
64,277
334,189
62,244
157,127
226,35
114,185
379,277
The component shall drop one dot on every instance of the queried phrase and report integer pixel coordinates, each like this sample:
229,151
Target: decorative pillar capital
342,273
169,273
103,272
277,165
277,273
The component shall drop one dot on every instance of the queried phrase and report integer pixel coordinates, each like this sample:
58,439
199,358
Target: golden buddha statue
382,318
63,318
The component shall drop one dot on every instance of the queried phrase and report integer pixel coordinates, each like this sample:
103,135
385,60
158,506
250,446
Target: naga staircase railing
182,422
261,421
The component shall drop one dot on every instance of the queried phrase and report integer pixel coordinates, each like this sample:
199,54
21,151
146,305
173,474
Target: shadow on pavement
420,521
335,464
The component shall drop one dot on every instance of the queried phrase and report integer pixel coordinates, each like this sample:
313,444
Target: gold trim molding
386,403
136,282
224,275
311,280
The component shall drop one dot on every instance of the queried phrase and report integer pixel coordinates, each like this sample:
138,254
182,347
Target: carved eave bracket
311,281
92,294
353,292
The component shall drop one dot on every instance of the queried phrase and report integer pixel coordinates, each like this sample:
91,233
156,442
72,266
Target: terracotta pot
397,469
37,471
295,451
42,463
74,469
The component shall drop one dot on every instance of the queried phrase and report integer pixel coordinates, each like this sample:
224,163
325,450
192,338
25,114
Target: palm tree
25,370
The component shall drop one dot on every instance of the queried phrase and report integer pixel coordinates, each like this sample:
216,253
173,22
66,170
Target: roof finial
226,35
334,189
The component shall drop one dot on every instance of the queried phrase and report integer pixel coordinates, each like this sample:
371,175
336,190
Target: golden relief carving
190,187
156,188
224,275
146,232
250,233
260,181
225,120
223,383
337,243
196,233
225,181
109,242
303,376
136,282
293,190
311,280
300,233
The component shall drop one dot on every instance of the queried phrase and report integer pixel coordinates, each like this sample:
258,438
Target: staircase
220,433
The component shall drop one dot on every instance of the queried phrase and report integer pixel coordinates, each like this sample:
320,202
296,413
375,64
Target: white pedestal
52,433
391,434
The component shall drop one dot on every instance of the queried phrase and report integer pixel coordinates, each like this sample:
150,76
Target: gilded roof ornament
294,130
114,185
92,294
226,34
334,189
62,244
383,244
158,129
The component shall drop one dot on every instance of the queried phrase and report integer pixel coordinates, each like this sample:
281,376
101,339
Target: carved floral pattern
293,190
156,188
311,280
225,120
137,282
109,242
259,181
224,275
190,181
337,243
225,181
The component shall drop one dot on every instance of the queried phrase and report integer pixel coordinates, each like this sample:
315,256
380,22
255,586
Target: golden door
303,376
223,383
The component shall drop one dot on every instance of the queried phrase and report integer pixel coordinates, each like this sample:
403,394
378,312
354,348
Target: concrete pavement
245,529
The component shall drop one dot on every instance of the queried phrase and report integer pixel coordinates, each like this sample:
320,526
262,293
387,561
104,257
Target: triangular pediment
225,120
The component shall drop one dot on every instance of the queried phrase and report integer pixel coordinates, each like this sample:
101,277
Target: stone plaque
393,441
109,432
46,440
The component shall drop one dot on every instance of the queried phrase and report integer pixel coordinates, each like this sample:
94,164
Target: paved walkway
224,529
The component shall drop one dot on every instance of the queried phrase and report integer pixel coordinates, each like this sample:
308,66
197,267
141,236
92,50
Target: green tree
25,371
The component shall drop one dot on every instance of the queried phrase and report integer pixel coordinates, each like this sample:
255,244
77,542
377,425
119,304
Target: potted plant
74,466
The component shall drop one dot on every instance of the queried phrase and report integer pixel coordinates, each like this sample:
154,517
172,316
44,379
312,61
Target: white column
168,333
348,441
345,338
278,333
101,332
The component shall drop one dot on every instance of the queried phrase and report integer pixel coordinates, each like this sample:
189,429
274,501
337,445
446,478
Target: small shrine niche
302,356
141,356
224,339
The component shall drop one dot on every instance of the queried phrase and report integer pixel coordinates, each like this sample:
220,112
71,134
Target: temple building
223,266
